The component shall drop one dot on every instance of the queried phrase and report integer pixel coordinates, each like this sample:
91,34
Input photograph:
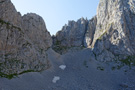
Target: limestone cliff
89,35
114,35
23,41
71,35
110,33
75,34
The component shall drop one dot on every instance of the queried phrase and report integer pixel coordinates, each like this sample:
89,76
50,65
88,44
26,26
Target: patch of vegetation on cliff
58,43
99,38
107,28
5,66
12,67
60,49
9,25
8,65
10,76
128,61
64,49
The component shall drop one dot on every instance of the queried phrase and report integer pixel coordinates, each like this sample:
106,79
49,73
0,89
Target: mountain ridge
108,33
97,54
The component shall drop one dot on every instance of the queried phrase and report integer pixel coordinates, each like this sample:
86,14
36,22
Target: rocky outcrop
110,33
75,34
114,33
23,41
89,35
35,30
71,35
9,14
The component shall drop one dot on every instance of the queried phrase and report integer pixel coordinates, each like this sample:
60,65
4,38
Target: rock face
35,29
23,41
75,34
8,13
89,35
72,34
110,33
115,30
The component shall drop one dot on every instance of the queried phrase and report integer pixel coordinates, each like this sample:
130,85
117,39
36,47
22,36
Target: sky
57,13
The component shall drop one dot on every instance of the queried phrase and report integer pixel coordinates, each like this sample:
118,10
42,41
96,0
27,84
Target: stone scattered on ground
62,67
55,79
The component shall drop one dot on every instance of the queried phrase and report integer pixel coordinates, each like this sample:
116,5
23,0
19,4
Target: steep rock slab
23,41
115,29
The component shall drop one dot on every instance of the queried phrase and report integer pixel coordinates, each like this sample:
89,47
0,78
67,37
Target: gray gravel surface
82,72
